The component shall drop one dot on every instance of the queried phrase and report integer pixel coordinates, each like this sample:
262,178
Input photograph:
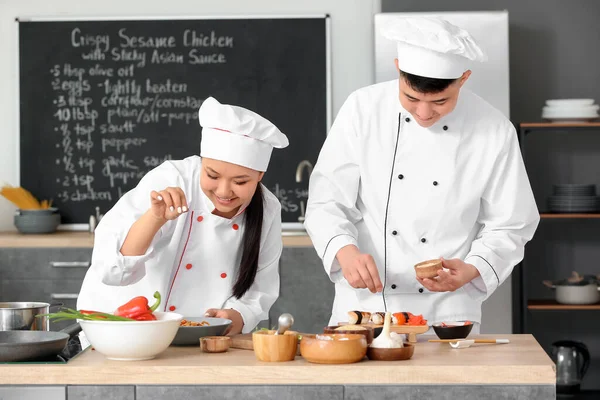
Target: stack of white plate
570,110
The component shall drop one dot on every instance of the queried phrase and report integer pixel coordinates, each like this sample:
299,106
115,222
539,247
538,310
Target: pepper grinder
98,215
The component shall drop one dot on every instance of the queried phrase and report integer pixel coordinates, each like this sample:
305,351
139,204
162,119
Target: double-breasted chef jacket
406,194
193,260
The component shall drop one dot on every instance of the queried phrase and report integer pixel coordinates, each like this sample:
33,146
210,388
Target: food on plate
136,309
406,318
350,328
377,318
387,340
185,322
428,269
358,317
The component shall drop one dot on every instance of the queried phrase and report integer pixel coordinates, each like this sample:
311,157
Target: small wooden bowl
368,331
215,344
270,347
455,330
428,269
401,353
341,349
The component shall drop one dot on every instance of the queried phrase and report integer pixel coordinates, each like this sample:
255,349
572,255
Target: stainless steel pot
21,316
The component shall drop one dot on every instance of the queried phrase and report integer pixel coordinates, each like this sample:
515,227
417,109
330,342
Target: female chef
203,231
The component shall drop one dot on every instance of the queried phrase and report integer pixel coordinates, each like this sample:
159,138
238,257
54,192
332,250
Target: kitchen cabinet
51,275
564,242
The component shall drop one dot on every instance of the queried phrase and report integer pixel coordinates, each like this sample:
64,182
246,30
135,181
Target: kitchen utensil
333,348
453,330
189,335
285,322
271,347
37,221
428,269
411,331
16,316
215,344
576,290
132,340
395,354
34,345
464,343
368,331
243,341
572,361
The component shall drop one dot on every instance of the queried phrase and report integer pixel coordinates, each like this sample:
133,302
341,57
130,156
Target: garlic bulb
385,340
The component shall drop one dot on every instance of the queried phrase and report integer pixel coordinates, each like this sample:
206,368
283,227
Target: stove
74,347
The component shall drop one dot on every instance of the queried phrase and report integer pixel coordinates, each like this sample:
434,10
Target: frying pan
34,345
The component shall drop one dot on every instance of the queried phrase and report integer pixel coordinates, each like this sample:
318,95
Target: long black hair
426,85
252,232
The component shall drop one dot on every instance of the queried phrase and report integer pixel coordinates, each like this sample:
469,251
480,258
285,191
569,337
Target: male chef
415,169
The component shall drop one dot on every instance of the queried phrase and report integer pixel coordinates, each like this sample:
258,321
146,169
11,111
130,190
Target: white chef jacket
405,194
193,261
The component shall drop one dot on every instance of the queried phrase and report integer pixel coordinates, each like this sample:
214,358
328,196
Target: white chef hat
237,135
432,47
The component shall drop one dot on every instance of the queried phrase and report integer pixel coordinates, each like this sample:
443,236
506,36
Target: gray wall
554,47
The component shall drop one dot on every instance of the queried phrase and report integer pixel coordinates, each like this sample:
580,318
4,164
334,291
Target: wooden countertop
522,362
86,239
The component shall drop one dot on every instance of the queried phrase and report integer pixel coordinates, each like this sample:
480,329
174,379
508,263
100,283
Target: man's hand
237,322
359,269
459,274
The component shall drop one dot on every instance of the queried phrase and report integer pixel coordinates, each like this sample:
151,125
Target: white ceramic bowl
132,340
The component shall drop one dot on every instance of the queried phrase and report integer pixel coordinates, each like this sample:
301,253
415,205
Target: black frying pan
34,345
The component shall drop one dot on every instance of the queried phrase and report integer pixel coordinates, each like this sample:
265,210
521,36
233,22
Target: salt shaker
93,223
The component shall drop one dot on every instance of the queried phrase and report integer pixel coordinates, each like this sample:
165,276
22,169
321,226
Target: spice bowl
215,344
274,348
453,330
428,269
333,348
368,331
132,340
394,354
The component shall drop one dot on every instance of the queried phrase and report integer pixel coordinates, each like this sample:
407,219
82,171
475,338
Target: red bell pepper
138,309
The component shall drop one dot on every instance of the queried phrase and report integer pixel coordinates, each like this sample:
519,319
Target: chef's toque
432,47
237,135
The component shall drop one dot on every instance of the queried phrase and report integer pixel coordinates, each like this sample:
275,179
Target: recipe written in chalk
118,98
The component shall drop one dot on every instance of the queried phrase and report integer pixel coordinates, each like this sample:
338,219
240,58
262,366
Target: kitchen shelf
560,125
568,216
553,305
583,395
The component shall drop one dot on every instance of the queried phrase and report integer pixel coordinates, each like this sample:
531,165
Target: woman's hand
168,204
237,322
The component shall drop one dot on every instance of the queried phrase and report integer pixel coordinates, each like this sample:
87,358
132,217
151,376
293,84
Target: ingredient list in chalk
104,101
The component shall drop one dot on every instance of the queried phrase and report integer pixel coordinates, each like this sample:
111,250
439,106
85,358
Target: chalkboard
102,102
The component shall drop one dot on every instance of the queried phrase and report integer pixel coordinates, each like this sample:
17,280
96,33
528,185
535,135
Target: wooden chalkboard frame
287,226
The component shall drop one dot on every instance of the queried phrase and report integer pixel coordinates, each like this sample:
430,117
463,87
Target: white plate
570,102
569,114
593,107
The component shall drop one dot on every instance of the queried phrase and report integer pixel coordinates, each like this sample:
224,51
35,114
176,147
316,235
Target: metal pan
34,345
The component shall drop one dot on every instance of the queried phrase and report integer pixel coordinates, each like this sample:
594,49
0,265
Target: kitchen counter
520,369
522,361
86,239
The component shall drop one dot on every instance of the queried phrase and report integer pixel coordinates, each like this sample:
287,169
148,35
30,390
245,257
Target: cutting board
244,341
411,331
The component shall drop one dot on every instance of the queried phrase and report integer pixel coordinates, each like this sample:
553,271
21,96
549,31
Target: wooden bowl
340,349
401,353
368,331
215,344
271,347
428,269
